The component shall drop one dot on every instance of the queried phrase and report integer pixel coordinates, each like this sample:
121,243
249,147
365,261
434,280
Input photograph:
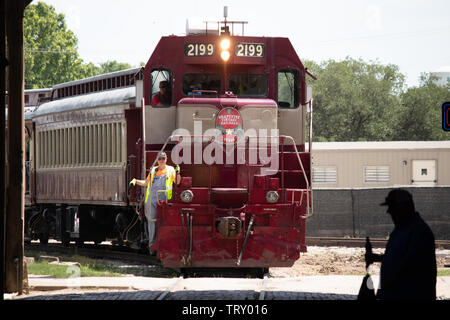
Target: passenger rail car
84,150
234,120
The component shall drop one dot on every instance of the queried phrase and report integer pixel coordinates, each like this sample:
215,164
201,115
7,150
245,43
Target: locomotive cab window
248,85
288,89
201,81
161,88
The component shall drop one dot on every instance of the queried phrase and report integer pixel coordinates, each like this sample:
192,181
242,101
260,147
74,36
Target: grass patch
61,271
91,268
443,272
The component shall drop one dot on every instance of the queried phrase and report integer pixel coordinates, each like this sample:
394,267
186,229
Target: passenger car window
161,88
201,81
288,89
248,85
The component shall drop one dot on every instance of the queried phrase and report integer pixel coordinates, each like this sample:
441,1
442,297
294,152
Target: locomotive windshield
201,81
248,85
288,89
161,78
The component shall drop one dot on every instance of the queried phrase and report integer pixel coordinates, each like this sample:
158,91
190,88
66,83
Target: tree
51,54
355,100
112,66
421,111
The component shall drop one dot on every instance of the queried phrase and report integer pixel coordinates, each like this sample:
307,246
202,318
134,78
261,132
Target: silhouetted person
408,266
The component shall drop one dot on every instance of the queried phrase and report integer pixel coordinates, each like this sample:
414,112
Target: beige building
443,76
380,164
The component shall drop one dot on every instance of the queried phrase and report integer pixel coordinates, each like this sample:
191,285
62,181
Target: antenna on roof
219,27
225,29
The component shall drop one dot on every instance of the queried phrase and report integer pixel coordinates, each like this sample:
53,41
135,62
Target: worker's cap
162,155
398,197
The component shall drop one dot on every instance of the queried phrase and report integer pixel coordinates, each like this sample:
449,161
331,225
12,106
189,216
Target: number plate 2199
255,50
199,49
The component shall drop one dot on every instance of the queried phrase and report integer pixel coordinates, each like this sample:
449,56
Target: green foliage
356,100
421,112
112,66
51,55
51,52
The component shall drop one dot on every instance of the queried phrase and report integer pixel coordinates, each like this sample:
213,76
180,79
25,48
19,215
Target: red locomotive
233,119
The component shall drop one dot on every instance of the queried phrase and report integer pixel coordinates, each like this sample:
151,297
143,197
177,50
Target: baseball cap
397,196
162,155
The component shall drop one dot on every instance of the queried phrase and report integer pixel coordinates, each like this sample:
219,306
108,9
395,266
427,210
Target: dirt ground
339,261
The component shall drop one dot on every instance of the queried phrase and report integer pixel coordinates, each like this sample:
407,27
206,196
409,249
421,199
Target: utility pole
16,145
3,63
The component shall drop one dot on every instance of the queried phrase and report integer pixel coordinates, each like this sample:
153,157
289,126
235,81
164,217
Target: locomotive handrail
231,209
204,91
309,214
194,117
311,102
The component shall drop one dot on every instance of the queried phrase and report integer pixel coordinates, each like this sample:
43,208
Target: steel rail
170,289
262,292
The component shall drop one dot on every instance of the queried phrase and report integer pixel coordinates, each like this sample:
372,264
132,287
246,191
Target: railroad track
360,242
105,251
177,286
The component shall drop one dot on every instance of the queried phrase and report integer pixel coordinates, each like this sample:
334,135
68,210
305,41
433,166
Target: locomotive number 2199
250,50
198,49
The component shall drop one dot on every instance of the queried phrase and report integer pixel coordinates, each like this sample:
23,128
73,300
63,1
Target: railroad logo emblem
229,122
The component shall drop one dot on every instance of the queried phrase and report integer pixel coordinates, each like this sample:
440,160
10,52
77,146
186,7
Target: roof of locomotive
102,98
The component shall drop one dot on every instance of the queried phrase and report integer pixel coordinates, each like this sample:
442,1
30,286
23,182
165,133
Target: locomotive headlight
272,196
225,44
187,196
225,55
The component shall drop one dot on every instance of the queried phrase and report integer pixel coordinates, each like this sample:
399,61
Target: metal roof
28,112
102,98
38,90
380,145
99,77
442,69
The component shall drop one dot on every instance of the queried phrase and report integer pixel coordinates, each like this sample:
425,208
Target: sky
413,34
